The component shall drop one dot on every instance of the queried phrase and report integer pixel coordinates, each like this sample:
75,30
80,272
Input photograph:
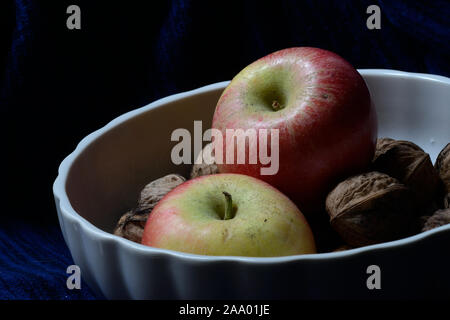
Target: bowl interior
412,107
106,177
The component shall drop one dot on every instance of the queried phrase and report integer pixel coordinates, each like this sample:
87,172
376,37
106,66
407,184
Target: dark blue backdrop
59,85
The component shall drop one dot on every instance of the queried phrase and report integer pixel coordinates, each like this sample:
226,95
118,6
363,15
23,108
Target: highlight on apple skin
228,215
322,108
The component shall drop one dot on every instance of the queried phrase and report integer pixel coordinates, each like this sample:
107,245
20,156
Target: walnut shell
442,166
370,208
205,163
412,166
439,218
156,190
131,225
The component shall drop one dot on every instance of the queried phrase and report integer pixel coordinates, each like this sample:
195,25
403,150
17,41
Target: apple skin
327,128
266,223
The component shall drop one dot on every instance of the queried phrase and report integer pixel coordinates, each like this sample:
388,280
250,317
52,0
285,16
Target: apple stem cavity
228,206
276,105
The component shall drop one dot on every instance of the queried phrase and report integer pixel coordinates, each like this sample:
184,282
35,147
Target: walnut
412,166
205,163
439,218
442,166
156,190
131,225
370,208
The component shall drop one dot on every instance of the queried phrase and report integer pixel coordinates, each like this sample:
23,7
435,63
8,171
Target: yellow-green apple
228,214
322,110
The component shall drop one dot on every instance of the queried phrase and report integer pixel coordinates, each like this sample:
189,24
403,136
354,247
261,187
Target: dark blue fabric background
59,85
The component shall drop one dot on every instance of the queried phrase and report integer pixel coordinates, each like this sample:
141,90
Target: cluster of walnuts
401,194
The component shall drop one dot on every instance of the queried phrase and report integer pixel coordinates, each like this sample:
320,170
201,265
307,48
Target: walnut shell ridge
412,166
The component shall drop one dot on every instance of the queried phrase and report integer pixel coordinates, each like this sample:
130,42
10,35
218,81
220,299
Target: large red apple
322,108
228,215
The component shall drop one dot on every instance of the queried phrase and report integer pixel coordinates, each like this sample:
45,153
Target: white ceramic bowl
100,180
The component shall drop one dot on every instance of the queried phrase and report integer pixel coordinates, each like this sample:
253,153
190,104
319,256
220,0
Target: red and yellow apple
228,214
322,108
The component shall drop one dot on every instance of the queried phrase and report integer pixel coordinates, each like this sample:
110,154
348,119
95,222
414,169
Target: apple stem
228,206
276,105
